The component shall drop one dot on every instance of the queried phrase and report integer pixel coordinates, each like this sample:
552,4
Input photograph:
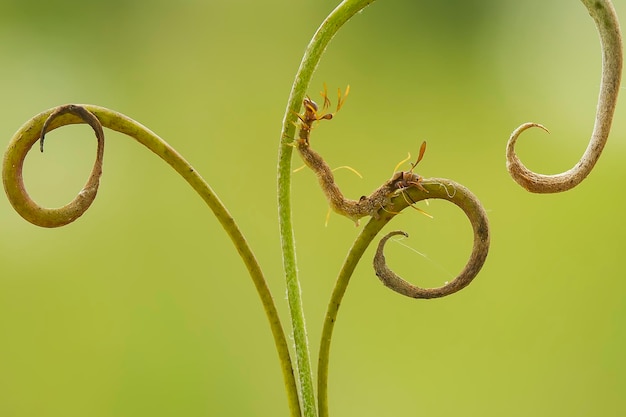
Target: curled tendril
437,188
462,197
604,15
13,166
99,117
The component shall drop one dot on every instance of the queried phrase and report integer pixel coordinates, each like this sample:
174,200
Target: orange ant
310,112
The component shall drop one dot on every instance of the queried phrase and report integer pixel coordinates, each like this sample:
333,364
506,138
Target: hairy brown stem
352,209
403,189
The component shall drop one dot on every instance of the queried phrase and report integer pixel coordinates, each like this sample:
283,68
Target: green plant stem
309,62
436,188
29,134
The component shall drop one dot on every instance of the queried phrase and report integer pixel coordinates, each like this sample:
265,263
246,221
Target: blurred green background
142,307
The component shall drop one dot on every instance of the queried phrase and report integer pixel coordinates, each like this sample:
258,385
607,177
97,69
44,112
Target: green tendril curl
97,117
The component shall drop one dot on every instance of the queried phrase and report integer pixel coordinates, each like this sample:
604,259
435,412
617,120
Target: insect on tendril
404,189
365,205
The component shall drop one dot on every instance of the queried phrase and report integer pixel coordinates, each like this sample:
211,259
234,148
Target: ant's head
310,113
310,105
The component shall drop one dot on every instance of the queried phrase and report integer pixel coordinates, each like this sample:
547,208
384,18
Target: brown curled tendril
13,166
604,15
438,188
474,211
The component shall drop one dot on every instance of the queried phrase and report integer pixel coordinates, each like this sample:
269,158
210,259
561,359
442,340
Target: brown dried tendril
439,188
604,16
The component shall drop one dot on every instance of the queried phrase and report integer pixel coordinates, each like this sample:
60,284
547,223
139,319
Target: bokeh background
142,307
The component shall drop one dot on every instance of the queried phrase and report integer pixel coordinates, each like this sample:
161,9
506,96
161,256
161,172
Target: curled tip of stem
604,16
528,179
33,131
84,114
462,197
